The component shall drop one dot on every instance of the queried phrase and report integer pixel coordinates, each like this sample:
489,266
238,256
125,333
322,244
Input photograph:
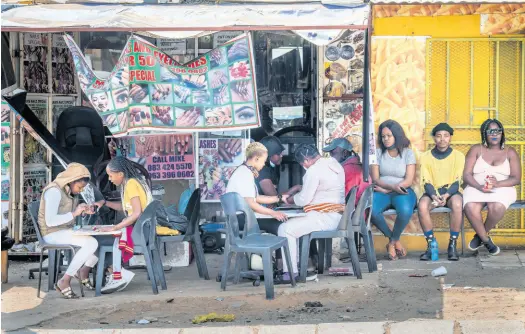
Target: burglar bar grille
470,80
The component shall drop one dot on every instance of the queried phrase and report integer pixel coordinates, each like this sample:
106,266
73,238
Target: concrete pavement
405,327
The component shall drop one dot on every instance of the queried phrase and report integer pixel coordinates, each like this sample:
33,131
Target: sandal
86,283
67,293
389,252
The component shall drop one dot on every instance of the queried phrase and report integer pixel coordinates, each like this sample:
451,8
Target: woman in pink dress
491,173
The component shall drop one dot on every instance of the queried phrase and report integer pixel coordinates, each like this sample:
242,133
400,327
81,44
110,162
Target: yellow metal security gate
470,80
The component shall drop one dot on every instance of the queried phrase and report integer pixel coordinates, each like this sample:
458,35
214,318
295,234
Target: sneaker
491,247
452,250
127,276
475,243
427,255
113,285
311,275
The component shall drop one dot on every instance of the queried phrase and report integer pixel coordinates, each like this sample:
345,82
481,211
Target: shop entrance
470,80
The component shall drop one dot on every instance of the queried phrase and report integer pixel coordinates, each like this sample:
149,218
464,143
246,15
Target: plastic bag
175,220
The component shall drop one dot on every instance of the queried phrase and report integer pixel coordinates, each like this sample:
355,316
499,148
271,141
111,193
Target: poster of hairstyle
35,63
63,68
34,152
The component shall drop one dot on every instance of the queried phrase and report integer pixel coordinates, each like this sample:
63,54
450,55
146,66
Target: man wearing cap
441,173
342,150
269,176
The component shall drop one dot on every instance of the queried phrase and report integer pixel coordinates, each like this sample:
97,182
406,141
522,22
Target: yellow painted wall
433,26
459,26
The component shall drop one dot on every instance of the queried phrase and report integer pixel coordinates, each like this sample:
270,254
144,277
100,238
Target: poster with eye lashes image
152,92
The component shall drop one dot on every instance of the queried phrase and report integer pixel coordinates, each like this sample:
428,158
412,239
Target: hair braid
125,166
485,126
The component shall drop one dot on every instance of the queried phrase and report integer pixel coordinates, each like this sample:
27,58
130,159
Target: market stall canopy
183,21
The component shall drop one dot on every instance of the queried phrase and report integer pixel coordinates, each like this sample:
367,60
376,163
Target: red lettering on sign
199,62
142,75
141,48
163,58
132,60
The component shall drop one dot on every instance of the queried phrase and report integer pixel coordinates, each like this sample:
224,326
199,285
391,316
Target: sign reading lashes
148,91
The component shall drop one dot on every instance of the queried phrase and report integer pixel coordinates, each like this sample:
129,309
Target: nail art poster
166,157
148,91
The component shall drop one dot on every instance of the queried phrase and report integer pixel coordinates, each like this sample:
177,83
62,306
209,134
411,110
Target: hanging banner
149,91
218,159
166,157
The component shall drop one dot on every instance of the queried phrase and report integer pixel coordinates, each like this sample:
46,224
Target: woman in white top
243,178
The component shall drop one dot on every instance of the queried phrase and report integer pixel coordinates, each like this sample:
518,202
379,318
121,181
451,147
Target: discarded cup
441,271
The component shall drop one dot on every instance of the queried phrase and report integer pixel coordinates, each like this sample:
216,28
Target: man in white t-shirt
323,199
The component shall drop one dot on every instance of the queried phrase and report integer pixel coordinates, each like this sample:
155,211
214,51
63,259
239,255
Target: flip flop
67,293
390,256
401,252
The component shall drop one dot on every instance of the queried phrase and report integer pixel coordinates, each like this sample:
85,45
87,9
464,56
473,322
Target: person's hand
444,198
279,216
189,118
81,208
100,204
294,190
493,181
485,190
290,200
284,198
398,189
108,229
437,201
381,190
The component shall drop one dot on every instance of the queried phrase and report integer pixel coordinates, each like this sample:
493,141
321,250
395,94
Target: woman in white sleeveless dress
491,173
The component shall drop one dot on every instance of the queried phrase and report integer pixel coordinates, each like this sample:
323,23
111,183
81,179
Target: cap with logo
339,142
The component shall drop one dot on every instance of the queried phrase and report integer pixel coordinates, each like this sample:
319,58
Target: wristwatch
280,197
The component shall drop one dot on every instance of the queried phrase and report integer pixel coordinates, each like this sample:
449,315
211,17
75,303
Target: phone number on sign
155,168
172,175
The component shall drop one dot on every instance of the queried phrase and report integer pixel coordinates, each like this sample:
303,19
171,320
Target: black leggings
271,226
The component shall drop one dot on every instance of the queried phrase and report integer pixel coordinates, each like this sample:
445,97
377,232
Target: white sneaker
311,275
113,285
127,276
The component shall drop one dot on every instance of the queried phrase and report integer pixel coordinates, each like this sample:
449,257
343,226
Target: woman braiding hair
135,197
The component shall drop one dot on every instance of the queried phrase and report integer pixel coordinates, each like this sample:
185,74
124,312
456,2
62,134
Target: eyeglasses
493,132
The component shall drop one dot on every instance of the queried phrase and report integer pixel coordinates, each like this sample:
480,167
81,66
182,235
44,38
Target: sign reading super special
149,91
